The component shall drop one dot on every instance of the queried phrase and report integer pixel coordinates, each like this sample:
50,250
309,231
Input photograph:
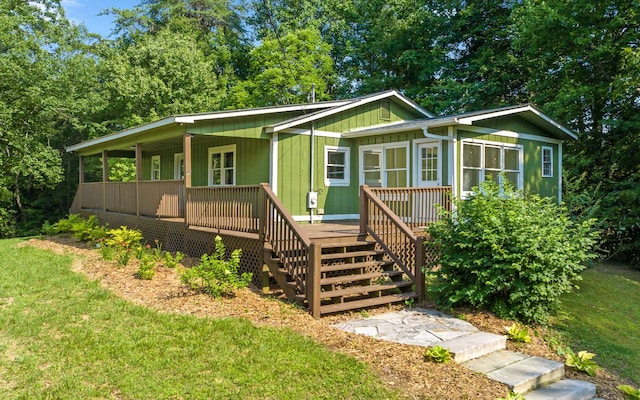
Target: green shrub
214,275
171,261
146,270
85,230
124,237
438,354
512,396
510,253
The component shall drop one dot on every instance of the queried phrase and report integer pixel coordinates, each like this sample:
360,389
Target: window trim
502,146
177,171
221,150
383,162
159,170
550,174
347,170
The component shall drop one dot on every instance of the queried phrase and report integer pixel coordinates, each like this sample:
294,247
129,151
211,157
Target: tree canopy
577,60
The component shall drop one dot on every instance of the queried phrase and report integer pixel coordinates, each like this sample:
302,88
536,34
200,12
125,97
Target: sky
86,11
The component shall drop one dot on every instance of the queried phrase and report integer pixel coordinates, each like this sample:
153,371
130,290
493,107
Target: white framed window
222,165
336,166
178,166
385,165
547,162
481,159
427,163
155,168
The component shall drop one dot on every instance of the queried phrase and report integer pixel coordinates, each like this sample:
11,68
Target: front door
429,174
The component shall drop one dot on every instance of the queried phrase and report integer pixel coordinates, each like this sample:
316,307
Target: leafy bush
581,361
85,230
630,392
146,270
124,237
214,275
438,354
171,261
518,333
510,253
512,396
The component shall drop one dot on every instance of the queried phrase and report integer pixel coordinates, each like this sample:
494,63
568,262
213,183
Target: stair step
494,361
346,267
365,289
347,243
565,389
373,301
357,277
350,254
474,345
528,374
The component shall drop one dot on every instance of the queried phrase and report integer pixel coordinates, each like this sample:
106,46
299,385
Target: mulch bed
399,366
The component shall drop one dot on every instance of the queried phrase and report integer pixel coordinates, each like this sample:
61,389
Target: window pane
492,157
216,177
513,178
397,178
372,178
371,159
511,159
471,155
215,161
336,157
396,158
228,176
493,174
470,178
335,172
228,160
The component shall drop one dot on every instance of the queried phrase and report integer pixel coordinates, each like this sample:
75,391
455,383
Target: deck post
105,178
364,210
80,177
313,279
420,261
186,150
262,212
138,175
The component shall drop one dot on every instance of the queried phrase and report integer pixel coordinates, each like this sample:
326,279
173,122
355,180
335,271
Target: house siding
366,115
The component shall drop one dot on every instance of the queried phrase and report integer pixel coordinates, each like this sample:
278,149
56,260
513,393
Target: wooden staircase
353,275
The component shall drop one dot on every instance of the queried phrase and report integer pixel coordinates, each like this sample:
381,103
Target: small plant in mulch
512,396
146,270
629,392
216,276
438,354
583,361
518,333
172,261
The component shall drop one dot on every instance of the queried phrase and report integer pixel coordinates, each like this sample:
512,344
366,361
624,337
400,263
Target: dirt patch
399,366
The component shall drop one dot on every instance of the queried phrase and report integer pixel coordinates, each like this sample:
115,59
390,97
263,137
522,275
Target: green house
240,172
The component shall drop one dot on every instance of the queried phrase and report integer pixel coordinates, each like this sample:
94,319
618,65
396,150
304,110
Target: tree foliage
510,253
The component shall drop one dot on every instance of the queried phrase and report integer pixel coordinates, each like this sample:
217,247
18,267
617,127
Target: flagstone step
566,389
474,345
528,374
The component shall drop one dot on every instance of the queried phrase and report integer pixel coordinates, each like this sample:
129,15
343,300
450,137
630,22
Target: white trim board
307,132
511,134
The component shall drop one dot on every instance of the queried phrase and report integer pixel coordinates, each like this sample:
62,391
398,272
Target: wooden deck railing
91,195
298,255
416,207
234,208
120,197
161,198
388,215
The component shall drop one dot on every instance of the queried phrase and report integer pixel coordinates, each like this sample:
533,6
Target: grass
602,317
62,336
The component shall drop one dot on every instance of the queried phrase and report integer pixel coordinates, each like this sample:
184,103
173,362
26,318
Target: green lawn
603,317
64,337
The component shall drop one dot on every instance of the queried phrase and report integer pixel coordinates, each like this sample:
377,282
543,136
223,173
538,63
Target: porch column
187,159
80,177
138,175
105,178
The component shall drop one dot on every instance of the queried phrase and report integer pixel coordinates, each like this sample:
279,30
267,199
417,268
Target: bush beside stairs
534,377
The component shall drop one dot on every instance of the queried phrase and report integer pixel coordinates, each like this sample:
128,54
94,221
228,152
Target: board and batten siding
250,127
166,162
365,116
532,165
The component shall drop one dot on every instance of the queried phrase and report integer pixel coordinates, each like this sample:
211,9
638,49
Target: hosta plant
583,361
518,333
512,396
630,392
438,354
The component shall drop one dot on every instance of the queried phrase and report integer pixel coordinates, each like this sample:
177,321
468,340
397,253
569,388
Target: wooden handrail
233,208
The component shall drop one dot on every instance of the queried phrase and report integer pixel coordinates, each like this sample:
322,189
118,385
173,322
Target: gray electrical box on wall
312,200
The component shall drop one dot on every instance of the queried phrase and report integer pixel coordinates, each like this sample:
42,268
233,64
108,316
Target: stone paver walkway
417,326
